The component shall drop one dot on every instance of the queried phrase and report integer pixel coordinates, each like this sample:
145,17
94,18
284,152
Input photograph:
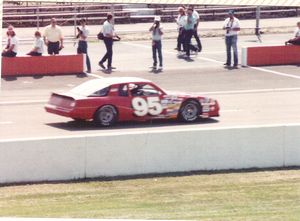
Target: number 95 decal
142,106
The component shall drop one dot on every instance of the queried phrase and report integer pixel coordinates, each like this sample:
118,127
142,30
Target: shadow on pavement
90,125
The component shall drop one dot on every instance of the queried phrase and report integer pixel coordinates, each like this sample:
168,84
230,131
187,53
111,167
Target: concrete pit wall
69,158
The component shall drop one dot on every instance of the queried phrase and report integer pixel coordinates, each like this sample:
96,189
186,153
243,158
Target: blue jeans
156,47
231,41
82,49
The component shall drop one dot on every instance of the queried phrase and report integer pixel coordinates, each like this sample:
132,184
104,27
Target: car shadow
90,125
155,71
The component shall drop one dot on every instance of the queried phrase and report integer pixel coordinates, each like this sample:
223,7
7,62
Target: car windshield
89,88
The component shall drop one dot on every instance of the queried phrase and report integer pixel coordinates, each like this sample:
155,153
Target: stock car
115,99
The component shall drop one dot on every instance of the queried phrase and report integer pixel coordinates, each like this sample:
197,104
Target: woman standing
83,33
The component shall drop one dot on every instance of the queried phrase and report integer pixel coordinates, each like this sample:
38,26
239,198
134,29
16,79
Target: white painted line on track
221,62
253,91
226,111
2,103
172,52
6,122
275,72
94,75
27,82
187,127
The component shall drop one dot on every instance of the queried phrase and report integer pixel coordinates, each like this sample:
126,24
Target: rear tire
106,116
189,111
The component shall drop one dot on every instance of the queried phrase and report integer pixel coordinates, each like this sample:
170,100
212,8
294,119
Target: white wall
149,152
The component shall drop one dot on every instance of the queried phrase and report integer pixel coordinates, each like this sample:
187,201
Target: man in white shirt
188,30
12,47
181,20
232,27
82,43
53,37
195,34
38,48
108,33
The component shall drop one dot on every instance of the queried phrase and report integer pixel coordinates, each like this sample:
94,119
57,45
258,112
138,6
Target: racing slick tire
106,115
189,111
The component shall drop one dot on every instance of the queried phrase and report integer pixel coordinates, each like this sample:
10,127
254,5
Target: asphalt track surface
247,96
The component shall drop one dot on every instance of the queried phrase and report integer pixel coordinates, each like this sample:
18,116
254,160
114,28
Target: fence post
38,16
257,28
75,21
112,11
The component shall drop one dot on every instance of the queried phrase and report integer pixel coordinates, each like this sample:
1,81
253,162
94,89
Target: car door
123,102
145,101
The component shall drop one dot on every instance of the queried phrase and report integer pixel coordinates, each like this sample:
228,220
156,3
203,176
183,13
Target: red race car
109,100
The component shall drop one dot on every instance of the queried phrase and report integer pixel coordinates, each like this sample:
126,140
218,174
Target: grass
268,195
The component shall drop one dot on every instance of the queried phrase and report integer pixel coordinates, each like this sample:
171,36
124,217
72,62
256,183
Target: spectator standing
188,31
195,34
108,33
180,20
38,48
53,37
83,33
157,33
12,48
232,27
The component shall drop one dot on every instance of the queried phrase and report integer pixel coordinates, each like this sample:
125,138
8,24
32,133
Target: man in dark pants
188,31
195,34
82,43
109,34
53,38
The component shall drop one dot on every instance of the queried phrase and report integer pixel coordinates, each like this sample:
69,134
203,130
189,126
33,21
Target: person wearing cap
188,31
109,34
232,27
180,20
53,37
157,33
83,33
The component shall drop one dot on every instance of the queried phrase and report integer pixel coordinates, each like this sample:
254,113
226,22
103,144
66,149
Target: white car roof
94,85
120,80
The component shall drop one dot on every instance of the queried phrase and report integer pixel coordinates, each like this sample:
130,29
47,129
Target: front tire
106,116
189,112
